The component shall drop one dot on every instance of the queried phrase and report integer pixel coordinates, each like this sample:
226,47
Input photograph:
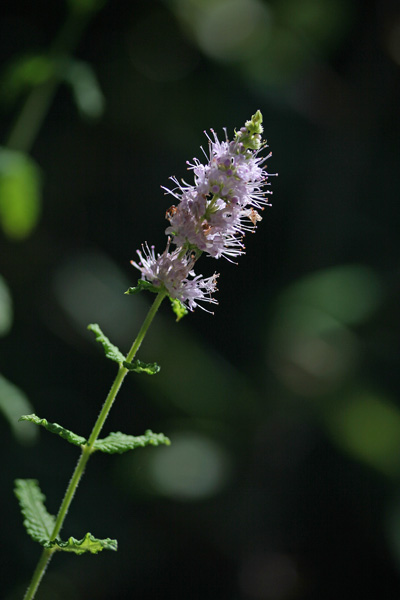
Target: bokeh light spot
193,467
232,29
368,426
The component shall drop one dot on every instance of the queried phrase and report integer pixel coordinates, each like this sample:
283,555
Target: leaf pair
40,524
114,443
114,354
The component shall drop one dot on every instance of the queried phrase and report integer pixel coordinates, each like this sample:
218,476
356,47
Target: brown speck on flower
170,212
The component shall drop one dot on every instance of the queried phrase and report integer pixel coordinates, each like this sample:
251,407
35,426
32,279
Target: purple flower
173,271
210,216
214,214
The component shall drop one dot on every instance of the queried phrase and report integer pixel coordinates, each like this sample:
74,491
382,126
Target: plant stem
87,448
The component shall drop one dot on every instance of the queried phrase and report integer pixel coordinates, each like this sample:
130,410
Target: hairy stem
87,448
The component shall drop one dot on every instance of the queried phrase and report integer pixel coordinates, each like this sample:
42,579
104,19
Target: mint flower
211,216
214,214
173,271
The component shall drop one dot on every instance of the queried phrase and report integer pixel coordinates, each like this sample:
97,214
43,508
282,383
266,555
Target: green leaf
38,522
66,434
179,308
87,544
25,73
143,285
111,351
141,367
118,442
86,90
13,402
20,193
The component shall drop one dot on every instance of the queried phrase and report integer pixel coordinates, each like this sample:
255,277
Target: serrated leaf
141,367
87,544
20,193
118,443
13,402
38,522
111,351
179,308
85,87
143,285
66,434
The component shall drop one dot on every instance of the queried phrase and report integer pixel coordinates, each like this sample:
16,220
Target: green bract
141,286
251,139
179,308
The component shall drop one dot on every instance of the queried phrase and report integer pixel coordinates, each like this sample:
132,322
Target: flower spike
212,215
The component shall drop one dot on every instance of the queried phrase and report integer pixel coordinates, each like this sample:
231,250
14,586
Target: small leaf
85,87
87,544
38,522
20,193
141,367
13,402
179,308
111,351
118,442
66,434
141,286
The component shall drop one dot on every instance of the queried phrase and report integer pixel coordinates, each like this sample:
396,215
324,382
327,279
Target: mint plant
211,216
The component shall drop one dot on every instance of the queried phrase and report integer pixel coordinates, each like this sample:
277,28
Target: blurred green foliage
282,480
20,193
367,426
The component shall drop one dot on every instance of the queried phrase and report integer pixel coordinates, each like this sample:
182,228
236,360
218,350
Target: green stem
38,574
87,449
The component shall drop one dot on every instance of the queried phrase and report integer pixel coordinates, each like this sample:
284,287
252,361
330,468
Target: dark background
283,478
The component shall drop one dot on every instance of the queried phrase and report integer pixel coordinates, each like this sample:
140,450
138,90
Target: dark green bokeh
283,477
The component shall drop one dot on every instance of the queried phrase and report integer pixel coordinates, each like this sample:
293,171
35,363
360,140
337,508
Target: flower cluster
211,216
